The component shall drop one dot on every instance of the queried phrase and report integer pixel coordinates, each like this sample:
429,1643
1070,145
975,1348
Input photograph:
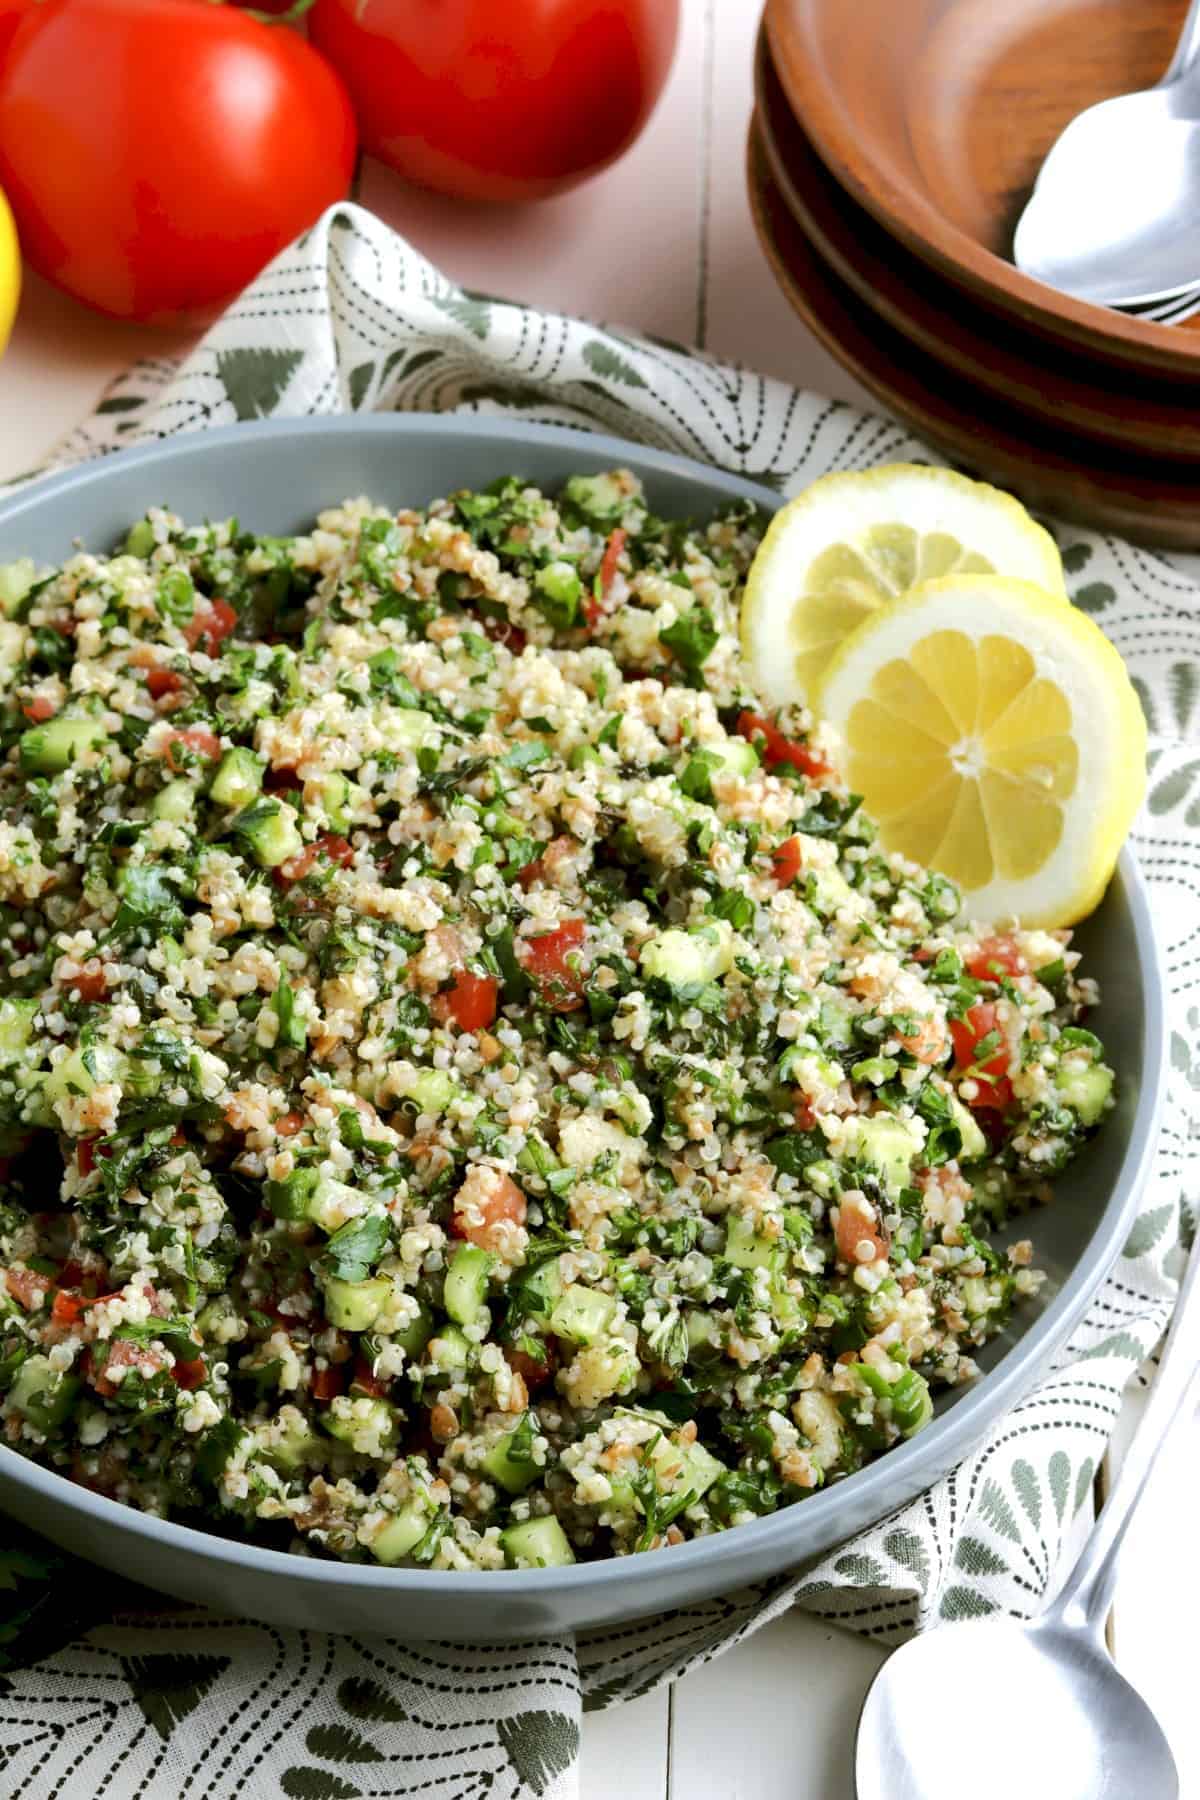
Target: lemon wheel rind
1107,725
841,508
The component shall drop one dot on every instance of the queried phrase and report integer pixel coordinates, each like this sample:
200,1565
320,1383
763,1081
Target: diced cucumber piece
399,1536
139,540
175,802
413,1338
342,800
270,829
292,1197
42,1394
16,1028
735,756
690,958
355,1305
16,579
466,1283
828,891
745,1249
368,1426
685,1467
600,498
583,754
703,1333
409,730
582,1314
433,1091
48,749
513,1473
888,1144
84,1070
238,779
540,1290
974,1144
1085,1090
449,1350
557,591
333,1202
293,1444
536,1544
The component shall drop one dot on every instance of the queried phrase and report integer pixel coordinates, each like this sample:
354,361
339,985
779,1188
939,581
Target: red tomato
786,861
289,1124
995,958
123,1353
545,960
281,781
198,739
334,849
327,1383
365,1381
163,681
39,709
26,1286
503,1201
498,102
209,626
11,14
968,1034
90,984
471,1002
158,153
191,1374
533,1373
776,748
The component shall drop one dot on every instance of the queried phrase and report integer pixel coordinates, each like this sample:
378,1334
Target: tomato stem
295,11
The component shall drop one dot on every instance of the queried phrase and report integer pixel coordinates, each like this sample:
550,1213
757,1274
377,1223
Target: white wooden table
664,242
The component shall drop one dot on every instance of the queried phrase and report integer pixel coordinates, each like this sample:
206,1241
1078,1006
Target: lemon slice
994,734
851,543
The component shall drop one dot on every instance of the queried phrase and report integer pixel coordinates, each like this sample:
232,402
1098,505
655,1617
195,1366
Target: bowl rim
889,1482
917,223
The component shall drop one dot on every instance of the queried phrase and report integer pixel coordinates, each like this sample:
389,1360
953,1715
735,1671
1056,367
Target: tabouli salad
473,1092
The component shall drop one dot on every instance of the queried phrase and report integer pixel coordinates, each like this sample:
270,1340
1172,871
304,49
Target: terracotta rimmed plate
1154,501
936,115
1048,382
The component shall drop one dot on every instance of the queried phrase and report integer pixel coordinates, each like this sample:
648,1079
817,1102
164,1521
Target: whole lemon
10,272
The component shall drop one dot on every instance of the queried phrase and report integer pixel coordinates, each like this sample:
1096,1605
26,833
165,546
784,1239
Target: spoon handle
1188,47
1087,1592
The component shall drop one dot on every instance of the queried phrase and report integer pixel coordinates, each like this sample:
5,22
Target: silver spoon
1114,216
1074,1727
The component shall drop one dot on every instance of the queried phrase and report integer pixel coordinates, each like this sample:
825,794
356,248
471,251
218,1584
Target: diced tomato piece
860,1236
39,709
289,1124
991,1076
330,848
191,1374
996,957
281,781
90,984
533,1373
163,681
327,1383
209,626
123,1353
609,561
27,1286
478,1211
471,1002
67,1308
545,961
365,1381
786,861
806,1118
85,1155
503,631
198,740
776,748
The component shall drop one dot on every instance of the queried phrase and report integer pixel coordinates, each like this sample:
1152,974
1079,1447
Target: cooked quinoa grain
473,1090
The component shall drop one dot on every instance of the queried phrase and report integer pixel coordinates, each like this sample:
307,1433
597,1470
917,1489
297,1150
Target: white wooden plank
774,1719
625,1750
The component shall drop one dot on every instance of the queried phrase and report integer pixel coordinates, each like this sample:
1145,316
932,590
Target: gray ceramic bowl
276,476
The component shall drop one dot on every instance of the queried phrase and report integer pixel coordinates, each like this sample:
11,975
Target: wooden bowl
1048,382
1151,500
936,116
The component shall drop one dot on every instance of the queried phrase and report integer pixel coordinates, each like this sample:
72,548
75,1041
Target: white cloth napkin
102,1694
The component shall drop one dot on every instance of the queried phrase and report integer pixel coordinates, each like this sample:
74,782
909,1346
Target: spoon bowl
1073,1726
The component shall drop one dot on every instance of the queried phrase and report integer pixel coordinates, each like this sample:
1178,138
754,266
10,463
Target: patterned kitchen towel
105,1691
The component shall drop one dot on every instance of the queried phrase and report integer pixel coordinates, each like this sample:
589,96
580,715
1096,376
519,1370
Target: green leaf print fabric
109,1691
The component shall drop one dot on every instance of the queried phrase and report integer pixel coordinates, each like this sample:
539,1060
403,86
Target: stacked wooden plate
893,144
